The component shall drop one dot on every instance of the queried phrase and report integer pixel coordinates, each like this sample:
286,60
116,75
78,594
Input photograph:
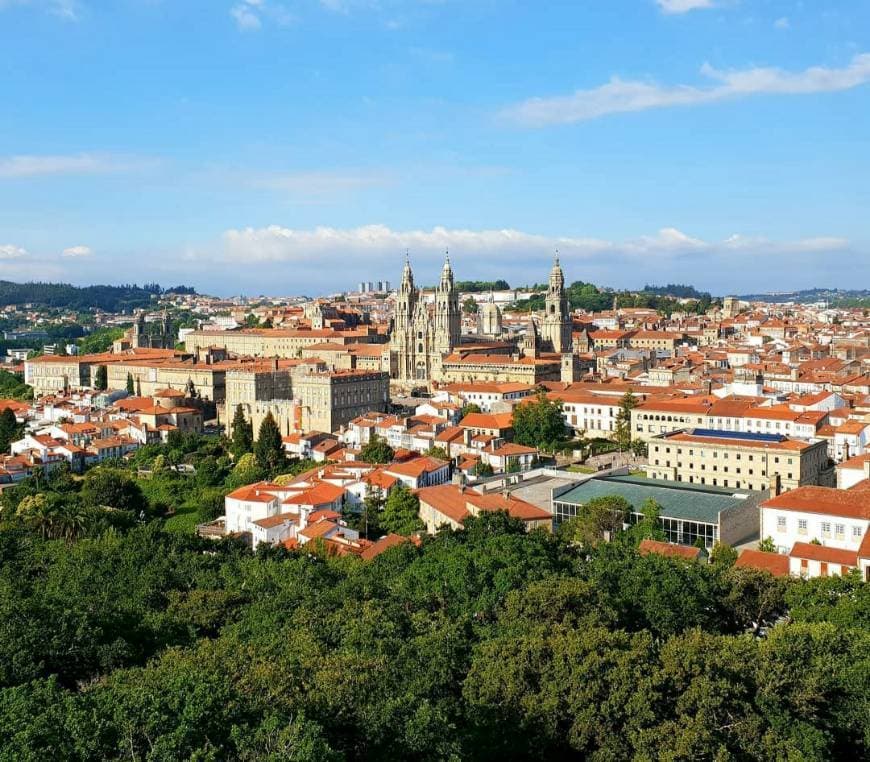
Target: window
826,528
802,526
780,523
857,531
839,529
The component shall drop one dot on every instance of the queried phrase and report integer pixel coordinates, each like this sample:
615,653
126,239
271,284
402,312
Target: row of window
825,528
725,455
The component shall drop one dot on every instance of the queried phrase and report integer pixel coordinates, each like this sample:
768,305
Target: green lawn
582,470
183,522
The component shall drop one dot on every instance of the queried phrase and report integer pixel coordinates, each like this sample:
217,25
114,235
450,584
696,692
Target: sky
299,146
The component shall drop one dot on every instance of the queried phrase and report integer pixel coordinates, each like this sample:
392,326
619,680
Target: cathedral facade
422,337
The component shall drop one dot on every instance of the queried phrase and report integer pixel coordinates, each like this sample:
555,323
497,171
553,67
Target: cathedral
425,343
421,339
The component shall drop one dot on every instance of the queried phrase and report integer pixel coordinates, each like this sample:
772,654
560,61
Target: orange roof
259,492
813,552
319,529
385,543
487,421
823,500
416,467
668,549
320,494
275,521
775,563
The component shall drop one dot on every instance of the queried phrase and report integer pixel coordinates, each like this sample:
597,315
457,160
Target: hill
65,296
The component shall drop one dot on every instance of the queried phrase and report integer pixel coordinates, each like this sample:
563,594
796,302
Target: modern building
688,513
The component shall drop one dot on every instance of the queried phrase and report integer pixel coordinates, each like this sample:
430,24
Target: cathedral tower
556,328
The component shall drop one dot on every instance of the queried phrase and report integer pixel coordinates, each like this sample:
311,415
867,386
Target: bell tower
556,328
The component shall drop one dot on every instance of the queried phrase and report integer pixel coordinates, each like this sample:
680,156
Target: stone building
741,460
308,397
556,327
420,339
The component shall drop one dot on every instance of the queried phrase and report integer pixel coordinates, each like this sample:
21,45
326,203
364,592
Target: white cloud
65,9
621,96
250,14
26,165
77,251
682,6
11,251
280,244
782,23
277,259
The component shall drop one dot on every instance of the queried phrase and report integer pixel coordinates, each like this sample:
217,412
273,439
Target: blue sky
299,146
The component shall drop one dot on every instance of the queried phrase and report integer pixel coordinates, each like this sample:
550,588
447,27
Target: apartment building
739,460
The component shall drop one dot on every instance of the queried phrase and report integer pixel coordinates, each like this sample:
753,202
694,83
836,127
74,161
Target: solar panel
745,436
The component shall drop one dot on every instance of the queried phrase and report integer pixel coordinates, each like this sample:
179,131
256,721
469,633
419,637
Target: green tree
376,450
482,469
469,306
243,434
468,408
622,434
269,448
401,512
438,452
101,378
650,524
539,423
597,520
9,429
113,488
767,545
131,385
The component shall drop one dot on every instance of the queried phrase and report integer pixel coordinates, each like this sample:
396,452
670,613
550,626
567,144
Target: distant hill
677,290
80,298
836,296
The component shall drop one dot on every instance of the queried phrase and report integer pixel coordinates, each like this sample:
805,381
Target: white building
824,531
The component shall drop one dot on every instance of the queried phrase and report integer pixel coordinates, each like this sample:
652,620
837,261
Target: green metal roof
678,500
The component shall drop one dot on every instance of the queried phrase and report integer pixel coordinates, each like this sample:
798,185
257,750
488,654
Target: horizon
257,145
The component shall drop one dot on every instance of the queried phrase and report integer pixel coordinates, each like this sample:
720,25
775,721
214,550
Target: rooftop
678,500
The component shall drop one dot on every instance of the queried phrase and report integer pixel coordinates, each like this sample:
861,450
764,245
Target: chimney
775,485
867,468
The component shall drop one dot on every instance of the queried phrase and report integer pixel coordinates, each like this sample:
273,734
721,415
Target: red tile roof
824,553
775,563
668,549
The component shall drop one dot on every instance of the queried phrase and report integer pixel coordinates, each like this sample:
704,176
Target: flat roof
678,500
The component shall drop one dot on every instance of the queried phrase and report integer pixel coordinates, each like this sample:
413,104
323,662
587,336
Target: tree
101,378
113,488
482,468
622,434
649,526
138,386
539,423
376,450
597,520
131,385
402,512
438,452
469,306
269,449
767,545
468,408
9,429
243,434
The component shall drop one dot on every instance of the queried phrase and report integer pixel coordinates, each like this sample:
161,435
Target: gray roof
678,500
